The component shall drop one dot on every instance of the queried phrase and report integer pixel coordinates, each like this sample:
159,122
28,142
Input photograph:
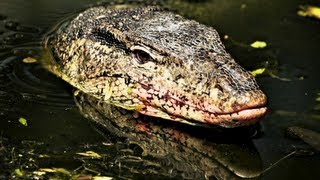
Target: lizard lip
240,118
201,111
243,117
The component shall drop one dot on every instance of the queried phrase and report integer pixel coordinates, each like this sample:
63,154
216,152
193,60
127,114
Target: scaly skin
156,63
173,149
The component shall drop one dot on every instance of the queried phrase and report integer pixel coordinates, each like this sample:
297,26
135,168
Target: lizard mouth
240,118
201,112
230,120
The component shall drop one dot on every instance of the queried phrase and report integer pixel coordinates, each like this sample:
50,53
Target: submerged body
171,150
156,63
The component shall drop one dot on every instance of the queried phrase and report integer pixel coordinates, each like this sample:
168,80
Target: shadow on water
56,131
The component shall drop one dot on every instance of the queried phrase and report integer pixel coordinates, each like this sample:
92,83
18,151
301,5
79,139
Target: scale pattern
157,63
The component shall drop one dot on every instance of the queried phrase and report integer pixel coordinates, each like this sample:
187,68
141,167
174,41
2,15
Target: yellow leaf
258,44
90,154
310,11
258,71
29,60
107,144
55,170
315,11
43,156
23,121
102,178
47,170
318,99
62,170
39,173
302,13
18,172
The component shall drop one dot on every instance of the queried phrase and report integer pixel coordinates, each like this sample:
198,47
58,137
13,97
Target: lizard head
156,63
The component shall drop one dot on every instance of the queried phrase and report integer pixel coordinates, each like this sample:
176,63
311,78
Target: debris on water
270,71
317,99
107,144
23,121
18,172
39,173
275,76
87,177
309,11
277,162
243,6
258,71
29,60
102,178
258,44
43,156
90,154
308,136
55,170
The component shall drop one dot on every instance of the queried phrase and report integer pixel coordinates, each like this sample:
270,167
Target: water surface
55,125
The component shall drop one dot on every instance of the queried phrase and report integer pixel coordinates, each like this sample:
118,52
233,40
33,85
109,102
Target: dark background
26,90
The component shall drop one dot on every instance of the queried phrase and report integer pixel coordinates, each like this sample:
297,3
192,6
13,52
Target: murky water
57,129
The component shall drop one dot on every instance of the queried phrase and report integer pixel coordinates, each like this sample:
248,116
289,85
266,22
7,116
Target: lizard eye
141,56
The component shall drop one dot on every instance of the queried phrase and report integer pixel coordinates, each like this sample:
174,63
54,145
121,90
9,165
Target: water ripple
31,81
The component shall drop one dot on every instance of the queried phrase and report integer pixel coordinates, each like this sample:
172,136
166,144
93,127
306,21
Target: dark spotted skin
156,63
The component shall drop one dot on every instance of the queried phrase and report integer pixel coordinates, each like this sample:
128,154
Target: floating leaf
29,60
47,170
55,170
90,154
243,6
43,156
102,178
18,172
39,173
258,44
107,144
309,11
258,71
302,13
23,121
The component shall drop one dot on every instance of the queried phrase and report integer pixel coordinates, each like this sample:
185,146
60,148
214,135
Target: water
56,127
